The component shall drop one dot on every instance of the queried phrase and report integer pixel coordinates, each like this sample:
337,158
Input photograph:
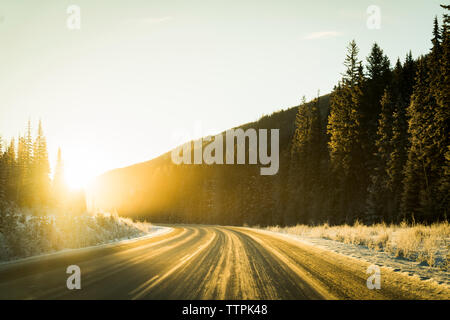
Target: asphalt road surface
207,262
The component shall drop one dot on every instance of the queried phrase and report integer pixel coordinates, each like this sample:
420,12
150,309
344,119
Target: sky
140,77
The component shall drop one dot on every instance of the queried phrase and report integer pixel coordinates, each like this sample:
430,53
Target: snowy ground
153,231
416,269
23,235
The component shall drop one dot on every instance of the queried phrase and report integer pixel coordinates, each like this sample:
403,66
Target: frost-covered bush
23,234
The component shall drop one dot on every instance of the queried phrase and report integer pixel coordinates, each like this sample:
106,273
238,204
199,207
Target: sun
77,179
80,171
78,175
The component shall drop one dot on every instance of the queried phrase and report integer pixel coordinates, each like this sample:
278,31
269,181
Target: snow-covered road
209,262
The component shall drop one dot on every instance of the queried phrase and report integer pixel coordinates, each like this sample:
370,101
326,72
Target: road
207,262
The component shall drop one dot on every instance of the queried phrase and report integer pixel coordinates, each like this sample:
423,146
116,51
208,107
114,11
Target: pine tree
28,167
2,175
406,80
442,118
437,38
10,171
344,118
392,143
425,171
305,160
417,197
378,67
437,127
347,158
59,186
21,167
378,78
41,168
378,201
352,64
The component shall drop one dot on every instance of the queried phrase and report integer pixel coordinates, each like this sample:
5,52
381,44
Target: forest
39,214
25,179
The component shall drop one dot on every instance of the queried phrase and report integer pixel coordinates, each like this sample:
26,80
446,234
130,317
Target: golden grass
422,243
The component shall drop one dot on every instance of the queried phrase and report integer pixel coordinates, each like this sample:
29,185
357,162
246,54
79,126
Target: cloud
322,35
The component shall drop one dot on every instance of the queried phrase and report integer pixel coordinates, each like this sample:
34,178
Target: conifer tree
2,174
305,159
10,171
21,167
41,169
378,191
28,167
59,186
391,144
344,128
378,78
417,189
442,118
425,171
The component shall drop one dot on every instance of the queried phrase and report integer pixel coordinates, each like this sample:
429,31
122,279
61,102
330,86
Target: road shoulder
394,285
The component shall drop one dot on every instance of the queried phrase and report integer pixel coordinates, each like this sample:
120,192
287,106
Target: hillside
376,150
164,192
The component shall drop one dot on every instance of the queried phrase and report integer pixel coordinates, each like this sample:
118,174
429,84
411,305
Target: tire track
206,262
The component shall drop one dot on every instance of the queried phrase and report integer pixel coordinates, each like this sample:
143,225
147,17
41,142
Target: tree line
376,149
387,136
25,177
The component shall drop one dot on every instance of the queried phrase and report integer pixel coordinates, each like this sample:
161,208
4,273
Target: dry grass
425,244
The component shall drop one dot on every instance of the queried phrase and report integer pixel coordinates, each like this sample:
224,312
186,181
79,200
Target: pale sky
139,73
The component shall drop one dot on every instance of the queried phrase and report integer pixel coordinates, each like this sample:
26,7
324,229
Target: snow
25,235
383,259
152,232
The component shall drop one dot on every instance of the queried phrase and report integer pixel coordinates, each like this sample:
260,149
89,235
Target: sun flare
78,174
77,179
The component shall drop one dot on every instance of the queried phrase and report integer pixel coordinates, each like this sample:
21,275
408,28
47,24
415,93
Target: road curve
208,262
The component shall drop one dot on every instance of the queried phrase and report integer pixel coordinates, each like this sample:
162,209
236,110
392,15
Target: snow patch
415,269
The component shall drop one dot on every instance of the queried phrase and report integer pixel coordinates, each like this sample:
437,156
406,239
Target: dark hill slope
162,191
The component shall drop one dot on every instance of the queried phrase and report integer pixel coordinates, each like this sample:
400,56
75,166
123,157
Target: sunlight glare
77,178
